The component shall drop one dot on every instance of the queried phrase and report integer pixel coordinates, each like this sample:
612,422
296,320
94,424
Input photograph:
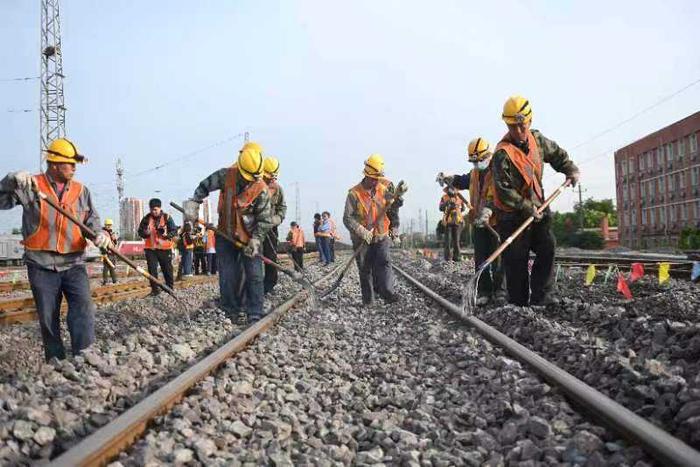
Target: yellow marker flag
663,272
590,274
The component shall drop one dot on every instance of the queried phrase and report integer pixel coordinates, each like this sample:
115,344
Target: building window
684,212
682,146
660,156
644,217
672,213
670,183
661,189
693,142
695,175
681,180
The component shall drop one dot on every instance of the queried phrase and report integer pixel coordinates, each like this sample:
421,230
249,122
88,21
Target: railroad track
22,310
107,442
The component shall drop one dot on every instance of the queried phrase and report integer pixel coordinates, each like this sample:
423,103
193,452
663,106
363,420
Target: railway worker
200,259
518,163
211,251
479,182
244,214
108,259
334,235
372,216
158,229
54,247
453,205
278,207
296,241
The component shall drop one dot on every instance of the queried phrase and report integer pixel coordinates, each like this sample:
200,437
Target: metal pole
580,208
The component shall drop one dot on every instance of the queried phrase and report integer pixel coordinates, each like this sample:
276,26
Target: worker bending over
453,205
518,163
108,258
372,216
244,214
158,229
479,182
295,239
54,247
278,208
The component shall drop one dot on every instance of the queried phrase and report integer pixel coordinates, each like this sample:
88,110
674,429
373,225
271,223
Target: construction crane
52,112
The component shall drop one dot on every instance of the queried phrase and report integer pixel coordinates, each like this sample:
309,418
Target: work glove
252,249
365,234
484,217
574,176
443,179
24,180
395,237
535,213
276,220
191,208
102,241
401,189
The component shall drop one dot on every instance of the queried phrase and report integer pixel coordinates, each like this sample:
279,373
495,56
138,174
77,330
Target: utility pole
52,112
297,203
580,207
246,136
120,193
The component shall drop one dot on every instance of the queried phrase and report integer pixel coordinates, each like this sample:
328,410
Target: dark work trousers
376,274
48,289
331,249
109,271
270,251
164,258
537,238
491,280
452,233
200,262
240,277
211,262
298,258
325,248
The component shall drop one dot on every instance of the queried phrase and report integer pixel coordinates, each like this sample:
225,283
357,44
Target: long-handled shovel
90,233
471,287
299,278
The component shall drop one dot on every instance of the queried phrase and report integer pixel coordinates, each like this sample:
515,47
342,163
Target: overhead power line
26,78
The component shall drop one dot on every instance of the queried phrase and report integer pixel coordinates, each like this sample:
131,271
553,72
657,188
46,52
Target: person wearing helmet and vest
108,259
200,252
244,214
453,205
271,170
479,182
158,229
518,163
211,251
296,241
362,218
333,235
54,247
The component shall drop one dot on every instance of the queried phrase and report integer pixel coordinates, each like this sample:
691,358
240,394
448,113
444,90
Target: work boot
547,300
391,298
154,293
500,298
367,301
242,319
483,300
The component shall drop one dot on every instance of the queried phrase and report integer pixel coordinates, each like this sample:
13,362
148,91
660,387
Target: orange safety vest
55,232
297,237
530,168
453,216
189,244
478,194
154,241
369,206
211,239
231,204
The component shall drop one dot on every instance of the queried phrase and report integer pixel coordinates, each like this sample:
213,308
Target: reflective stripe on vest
453,216
369,207
154,241
55,232
529,166
231,204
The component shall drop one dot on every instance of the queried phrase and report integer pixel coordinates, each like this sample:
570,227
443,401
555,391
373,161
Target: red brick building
658,185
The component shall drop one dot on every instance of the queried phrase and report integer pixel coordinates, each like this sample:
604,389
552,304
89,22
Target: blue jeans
239,276
324,246
321,253
187,262
48,289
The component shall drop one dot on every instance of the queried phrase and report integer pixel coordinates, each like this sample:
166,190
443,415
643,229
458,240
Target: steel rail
661,445
107,442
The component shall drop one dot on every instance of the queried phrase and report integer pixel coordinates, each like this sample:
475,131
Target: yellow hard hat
63,150
250,163
252,145
516,110
478,150
271,166
374,166
108,221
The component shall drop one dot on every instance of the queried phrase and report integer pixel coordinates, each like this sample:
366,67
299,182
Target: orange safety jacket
55,232
231,204
211,240
369,206
155,241
452,216
297,237
529,166
480,194
188,244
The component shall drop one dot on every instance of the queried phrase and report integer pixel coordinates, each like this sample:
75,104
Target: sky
323,84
